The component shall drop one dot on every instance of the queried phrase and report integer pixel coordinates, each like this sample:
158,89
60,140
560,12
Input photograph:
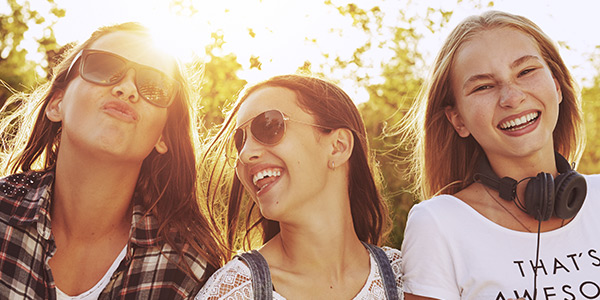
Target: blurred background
376,50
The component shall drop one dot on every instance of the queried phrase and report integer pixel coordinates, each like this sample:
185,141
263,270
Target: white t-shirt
233,281
95,291
450,251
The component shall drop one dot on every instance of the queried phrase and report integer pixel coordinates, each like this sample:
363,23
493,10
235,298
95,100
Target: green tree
391,96
15,70
590,161
220,83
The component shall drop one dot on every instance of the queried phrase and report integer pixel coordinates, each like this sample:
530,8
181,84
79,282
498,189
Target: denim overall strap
385,269
261,277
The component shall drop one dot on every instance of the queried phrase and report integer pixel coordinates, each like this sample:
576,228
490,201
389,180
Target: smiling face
506,96
285,177
113,120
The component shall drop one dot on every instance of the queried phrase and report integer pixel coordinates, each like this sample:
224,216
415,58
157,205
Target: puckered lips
264,178
521,123
120,110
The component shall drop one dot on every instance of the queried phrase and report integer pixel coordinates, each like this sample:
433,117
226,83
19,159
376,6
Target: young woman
301,155
495,130
104,203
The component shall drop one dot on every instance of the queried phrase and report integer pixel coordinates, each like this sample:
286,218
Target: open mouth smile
519,123
265,177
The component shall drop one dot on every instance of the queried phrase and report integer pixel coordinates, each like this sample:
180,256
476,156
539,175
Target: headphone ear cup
539,196
571,189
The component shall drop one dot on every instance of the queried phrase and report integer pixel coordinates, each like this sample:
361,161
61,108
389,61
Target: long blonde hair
441,160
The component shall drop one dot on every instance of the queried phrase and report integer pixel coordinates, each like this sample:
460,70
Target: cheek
157,121
473,113
242,175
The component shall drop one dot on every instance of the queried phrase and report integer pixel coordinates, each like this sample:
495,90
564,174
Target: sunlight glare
174,35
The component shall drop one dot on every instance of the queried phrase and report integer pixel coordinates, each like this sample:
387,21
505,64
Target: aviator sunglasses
268,128
106,68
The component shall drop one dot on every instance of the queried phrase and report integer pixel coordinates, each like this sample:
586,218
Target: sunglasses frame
249,122
82,55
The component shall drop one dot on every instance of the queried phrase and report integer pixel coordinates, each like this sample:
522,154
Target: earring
332,165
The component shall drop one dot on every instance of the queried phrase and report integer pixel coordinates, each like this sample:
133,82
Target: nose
251,150
126,89
511,95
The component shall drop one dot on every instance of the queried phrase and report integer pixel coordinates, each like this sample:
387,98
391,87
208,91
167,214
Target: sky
281,28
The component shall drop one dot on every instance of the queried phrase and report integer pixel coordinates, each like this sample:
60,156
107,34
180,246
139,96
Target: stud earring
333,165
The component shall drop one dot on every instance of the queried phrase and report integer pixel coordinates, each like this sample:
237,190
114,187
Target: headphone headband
545,196
506,186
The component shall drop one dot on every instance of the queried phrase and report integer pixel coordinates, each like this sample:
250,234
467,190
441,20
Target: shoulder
18,186
232,281
438,202
593,181
394,255
593,189
437,209
160,271
21,194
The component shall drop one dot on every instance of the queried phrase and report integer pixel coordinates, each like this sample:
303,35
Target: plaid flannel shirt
149,270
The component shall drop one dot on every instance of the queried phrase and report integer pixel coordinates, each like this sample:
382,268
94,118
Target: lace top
233,281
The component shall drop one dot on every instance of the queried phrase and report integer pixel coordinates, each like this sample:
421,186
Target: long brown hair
442,160
331,108
167,182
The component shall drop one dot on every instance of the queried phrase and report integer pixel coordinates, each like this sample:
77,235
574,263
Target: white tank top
94,292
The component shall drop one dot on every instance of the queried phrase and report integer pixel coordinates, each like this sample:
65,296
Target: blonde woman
496,130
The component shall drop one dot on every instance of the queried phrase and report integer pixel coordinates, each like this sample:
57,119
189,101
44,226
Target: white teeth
519,121
264,174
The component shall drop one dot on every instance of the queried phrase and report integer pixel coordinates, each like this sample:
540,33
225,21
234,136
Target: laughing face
506,96
283,178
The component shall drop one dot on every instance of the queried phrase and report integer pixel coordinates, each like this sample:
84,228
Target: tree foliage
16,71
590,95
220,82
391,95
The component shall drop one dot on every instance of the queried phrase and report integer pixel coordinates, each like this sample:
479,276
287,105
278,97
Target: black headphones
544,195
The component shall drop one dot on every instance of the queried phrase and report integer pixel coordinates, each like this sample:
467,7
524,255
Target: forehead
137,48
497,45
269,98
491,50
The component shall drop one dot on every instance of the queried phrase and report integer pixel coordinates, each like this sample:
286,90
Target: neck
524,167
91,198
325,240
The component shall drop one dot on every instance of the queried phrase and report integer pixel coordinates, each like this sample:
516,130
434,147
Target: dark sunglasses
267,128
105,68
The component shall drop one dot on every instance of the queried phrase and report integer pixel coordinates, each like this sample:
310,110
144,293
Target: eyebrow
513,65
523,59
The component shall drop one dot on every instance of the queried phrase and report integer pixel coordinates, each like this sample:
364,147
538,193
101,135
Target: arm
233,278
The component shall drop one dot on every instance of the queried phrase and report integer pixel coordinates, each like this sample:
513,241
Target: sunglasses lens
268,127
238,139
106,69
103,68
155,86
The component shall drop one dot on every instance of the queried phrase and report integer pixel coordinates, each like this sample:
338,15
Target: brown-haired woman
491,128
301,155
104,203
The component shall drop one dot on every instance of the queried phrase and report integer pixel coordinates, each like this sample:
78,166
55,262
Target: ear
456,120
557,84
161,146
342,141
54,108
